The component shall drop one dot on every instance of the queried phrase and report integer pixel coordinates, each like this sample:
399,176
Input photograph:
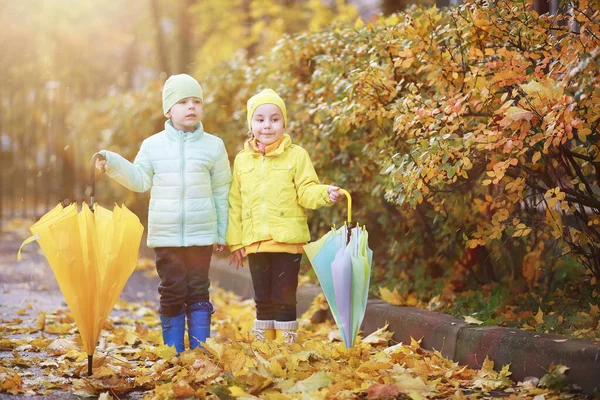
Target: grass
568,305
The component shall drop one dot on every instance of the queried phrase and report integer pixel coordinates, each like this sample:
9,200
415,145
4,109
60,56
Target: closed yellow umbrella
92,255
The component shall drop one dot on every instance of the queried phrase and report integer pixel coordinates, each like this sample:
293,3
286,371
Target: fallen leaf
316,381
381,336
472,321
539,317
380,391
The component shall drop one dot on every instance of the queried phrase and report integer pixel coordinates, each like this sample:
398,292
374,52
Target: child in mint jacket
187,171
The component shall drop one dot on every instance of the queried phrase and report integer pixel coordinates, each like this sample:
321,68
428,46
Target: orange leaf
380,391
518,113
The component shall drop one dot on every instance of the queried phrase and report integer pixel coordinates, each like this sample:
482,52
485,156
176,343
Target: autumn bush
479,123
468,137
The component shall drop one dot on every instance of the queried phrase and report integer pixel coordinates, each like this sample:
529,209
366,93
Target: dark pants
183,273
275,280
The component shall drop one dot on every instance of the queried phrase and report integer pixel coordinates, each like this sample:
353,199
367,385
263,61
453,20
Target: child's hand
334,194
220,248
237,257
101,163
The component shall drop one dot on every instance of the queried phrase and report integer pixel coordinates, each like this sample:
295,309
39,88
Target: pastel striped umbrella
342,262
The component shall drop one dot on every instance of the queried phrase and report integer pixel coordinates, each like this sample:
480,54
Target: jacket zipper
183,189
262,197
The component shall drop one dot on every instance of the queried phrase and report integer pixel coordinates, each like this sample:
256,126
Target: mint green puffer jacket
189,177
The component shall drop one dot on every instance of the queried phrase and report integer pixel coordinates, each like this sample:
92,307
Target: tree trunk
248,23
161,49
391,6
541,6
289,5
186,25
4,154
129,64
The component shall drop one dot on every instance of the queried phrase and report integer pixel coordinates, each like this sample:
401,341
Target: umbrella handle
349,205
93,177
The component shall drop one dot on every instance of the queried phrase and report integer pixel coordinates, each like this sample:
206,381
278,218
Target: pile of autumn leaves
43,356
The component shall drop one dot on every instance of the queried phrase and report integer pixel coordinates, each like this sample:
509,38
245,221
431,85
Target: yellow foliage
532,263
316,368
488,379
166,352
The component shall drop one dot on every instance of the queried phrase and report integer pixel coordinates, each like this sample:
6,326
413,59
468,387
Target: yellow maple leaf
277,370
397,348
60,329
488,379
237,391
539,317
235,362
373,366
435,303
472,321
274,395
381,335
206,370
391,297
555,378
316,381
165,352
414,386
316,312
62,346
102,372
414,343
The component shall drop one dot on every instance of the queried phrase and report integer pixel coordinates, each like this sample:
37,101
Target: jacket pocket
248,180
247,169
290,229
282,178
247,229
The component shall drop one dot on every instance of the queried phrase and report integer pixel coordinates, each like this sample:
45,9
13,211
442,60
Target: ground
40,351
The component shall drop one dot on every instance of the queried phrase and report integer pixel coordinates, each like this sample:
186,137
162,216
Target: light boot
264,330
286,331
198,322
173,331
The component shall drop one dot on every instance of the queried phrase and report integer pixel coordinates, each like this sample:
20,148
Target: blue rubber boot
198,322
173,330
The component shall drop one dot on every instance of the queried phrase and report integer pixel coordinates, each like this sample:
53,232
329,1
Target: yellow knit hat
267,96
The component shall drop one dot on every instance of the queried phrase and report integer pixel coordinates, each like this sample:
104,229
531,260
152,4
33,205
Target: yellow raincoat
270,194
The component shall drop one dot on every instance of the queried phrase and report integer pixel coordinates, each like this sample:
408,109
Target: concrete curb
528,353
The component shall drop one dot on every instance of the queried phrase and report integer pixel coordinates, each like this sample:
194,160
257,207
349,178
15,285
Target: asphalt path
31,280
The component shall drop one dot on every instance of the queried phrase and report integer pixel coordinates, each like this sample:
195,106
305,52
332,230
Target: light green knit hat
267,96
179,87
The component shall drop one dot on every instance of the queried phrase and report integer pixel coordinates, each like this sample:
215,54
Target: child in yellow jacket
273,184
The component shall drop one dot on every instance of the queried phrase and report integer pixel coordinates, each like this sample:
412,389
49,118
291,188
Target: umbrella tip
90,358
